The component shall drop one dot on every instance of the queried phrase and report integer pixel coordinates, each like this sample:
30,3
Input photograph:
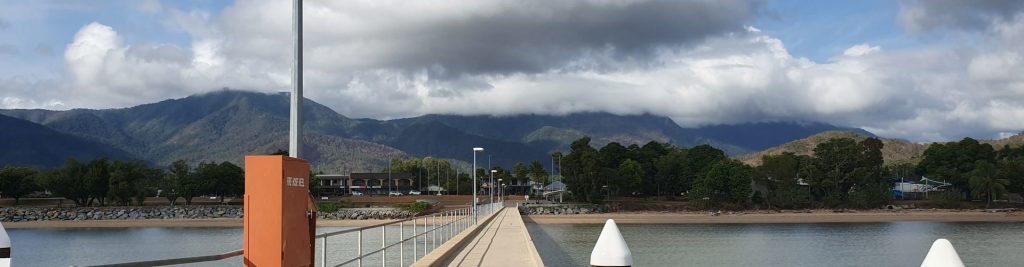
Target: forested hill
219,126
227,124
895,151
29,144
555,133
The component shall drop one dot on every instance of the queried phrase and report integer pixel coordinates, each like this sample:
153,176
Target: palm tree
984,183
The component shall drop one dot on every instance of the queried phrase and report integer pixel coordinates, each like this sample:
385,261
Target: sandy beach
169,223
812,217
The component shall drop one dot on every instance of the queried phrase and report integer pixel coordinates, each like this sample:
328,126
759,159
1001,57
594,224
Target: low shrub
417,207
327,207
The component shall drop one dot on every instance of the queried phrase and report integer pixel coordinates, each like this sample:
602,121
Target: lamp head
478,149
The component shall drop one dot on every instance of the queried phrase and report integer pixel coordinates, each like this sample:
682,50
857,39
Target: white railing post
424,236
384,246
415,239
359,249
323,251
401,241
433,231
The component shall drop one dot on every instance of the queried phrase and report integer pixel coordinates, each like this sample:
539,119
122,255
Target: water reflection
836,244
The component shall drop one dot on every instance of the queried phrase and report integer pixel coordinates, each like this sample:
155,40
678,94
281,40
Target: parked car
394,193
414,192
357,193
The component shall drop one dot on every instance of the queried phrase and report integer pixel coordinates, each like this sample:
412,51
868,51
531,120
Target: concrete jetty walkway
503,242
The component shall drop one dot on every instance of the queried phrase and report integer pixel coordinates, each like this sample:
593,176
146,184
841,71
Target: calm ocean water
849,244
67,247
862,244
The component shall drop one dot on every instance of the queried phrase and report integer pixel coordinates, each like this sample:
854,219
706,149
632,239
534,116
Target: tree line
103,181
975,170
841,173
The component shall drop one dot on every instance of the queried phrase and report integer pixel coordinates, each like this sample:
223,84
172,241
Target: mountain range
226,125
894,151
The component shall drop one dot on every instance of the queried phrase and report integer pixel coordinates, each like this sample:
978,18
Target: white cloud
369,59
860,50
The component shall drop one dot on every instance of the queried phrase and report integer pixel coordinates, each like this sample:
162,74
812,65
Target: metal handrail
177,261
452,223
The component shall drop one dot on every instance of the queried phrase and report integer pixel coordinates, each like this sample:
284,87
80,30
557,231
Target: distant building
366,183
333,184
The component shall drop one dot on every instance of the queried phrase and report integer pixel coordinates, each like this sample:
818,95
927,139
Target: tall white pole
295,127
492,185
474,186
490,188
560,179
475,149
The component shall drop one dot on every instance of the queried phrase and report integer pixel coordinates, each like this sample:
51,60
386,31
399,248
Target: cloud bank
698,62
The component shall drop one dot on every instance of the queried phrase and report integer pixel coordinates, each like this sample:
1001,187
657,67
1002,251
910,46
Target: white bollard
942,254
5,247
611,248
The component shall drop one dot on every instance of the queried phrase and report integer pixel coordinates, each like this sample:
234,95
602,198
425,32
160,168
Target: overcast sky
920,70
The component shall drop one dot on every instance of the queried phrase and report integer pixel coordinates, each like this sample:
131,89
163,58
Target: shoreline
785,218
619,217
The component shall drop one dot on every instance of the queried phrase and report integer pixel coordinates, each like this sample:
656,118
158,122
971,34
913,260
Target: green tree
779,176
189,183
629,177
703,157
726,182
220,180
230,180
67,182
97,180
672,174
582,170
538,174
985,184
519,172
955,161
647,155
838,160
613,154
128,180
16,182
1012,170
175,180
845,167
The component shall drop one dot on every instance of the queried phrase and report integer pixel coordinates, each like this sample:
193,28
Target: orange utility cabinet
277,216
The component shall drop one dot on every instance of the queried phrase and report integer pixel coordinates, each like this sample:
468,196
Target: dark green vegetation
327,207
976,169
16,182
103,182
840,173
29,144
226,125
417,207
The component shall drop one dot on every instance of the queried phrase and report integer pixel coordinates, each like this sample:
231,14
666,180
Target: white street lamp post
295,111
499,189
475,149
490,188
